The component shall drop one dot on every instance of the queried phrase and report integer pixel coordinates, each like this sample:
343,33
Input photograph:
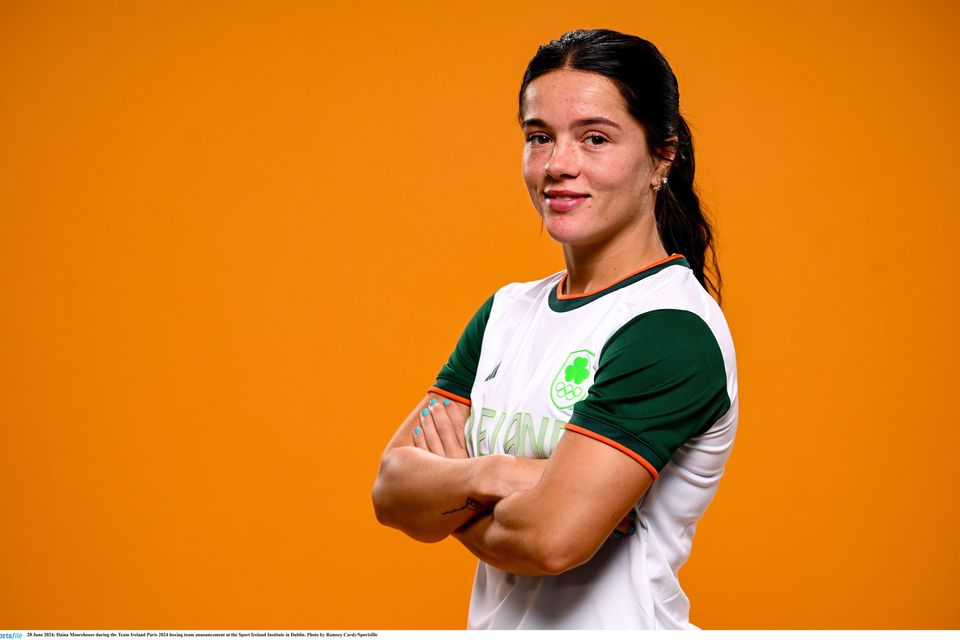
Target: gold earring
660,184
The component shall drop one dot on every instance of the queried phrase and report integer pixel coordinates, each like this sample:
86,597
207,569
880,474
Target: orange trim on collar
616,445
573,296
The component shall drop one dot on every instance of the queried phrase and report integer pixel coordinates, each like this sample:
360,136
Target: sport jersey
646,366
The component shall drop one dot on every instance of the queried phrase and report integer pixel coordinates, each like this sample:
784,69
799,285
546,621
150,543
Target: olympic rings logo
567,391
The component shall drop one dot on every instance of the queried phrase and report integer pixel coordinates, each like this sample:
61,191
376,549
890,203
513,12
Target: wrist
488,477
502,475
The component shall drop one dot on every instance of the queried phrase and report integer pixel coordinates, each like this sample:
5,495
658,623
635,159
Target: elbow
385,502
390,516
554,560
556,553
389,507
380,504
381,493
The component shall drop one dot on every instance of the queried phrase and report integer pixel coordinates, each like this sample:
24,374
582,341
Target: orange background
238,239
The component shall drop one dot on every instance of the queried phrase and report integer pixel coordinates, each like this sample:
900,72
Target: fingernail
432,402
617,535
417,431
632,530
446,402
425,413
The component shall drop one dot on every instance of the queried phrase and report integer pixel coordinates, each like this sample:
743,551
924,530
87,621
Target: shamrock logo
577,371
569,385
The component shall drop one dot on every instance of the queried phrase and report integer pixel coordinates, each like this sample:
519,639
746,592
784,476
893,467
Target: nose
563,161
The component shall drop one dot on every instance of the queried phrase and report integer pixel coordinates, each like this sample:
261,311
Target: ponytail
681,223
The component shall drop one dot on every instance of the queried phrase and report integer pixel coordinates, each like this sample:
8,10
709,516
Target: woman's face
586,162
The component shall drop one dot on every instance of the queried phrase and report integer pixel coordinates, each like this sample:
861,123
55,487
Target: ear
665,156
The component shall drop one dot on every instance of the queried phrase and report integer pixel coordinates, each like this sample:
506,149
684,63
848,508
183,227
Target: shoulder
517,297
673,306
532,290
665,346
672,329
511,299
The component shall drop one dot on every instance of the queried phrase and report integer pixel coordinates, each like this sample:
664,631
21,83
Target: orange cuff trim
616,445
447,394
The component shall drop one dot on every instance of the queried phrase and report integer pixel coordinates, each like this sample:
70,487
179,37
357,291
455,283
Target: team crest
572,381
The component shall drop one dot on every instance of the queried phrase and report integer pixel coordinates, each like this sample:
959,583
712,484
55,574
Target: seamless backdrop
238,240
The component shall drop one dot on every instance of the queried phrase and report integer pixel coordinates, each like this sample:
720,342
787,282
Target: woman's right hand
441,429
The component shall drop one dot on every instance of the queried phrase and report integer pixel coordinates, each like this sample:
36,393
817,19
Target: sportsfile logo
573,379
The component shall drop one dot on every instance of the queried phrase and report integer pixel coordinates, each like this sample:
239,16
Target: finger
446,430
626,527
620,535
418,440
434,445
458,413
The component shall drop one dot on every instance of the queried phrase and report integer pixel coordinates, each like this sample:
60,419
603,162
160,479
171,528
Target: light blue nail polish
417,431
425,413
432,402
446,402
632,530
617,535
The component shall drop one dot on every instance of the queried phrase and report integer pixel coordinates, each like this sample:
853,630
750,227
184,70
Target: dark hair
650,90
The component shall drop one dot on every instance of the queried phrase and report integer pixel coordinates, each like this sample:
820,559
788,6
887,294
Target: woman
580,428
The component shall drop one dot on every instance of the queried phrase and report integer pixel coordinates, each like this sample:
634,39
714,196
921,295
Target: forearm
586,490
517,536
502,548
428,496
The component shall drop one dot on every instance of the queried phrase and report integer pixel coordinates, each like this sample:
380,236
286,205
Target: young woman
580,428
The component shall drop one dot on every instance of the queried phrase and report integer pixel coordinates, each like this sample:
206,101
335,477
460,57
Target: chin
566,236
564,228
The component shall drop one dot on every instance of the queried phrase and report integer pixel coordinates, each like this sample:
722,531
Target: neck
595,267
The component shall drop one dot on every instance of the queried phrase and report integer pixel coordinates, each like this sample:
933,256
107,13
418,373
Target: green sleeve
457,376
660,380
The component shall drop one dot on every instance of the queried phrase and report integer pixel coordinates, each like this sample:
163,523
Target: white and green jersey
646,366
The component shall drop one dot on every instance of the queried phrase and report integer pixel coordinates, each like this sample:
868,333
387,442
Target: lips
561,201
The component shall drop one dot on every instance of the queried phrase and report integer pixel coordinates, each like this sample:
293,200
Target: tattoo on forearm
472,503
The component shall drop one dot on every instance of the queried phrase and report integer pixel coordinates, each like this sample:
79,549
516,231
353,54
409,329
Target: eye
596,140
538,138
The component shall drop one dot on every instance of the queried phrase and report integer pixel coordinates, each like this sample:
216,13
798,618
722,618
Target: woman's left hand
441,429
627,527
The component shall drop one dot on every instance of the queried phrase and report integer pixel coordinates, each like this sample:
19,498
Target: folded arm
586,489
427,487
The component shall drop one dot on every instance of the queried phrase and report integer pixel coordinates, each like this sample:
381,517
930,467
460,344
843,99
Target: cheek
610,177
531,175
619,176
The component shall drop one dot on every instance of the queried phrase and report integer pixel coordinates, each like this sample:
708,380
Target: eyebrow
584,122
